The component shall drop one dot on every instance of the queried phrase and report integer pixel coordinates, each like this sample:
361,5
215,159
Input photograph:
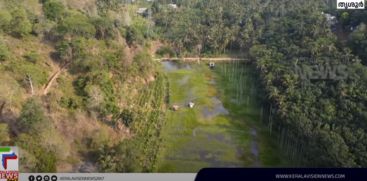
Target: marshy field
224,128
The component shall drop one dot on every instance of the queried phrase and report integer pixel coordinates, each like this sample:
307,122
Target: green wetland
224,128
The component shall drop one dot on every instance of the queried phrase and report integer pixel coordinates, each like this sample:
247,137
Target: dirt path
52,79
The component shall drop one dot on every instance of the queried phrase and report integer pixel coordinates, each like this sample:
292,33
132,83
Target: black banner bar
282,174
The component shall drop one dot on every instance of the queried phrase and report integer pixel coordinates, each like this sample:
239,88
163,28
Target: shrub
143,64
79,85
76,24
44,27
21,69
5,19
95,97
133,35
165,50
68,103
32,57
120,158
63,51
104,28
53,10
127,117
79,46
46,158
113,59
31,116
105,83
4,134
20,24
4,52
71,50
104,6
46,161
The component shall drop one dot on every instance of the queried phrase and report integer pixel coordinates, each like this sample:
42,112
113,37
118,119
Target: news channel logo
350,4
9,169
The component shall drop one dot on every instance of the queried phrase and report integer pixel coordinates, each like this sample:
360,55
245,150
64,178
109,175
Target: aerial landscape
174,86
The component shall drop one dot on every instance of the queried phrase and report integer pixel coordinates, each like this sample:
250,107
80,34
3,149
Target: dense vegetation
78,64
146,120
322,115
354,23
211,26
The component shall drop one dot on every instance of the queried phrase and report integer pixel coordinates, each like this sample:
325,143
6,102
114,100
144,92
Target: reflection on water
172,66
216,110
